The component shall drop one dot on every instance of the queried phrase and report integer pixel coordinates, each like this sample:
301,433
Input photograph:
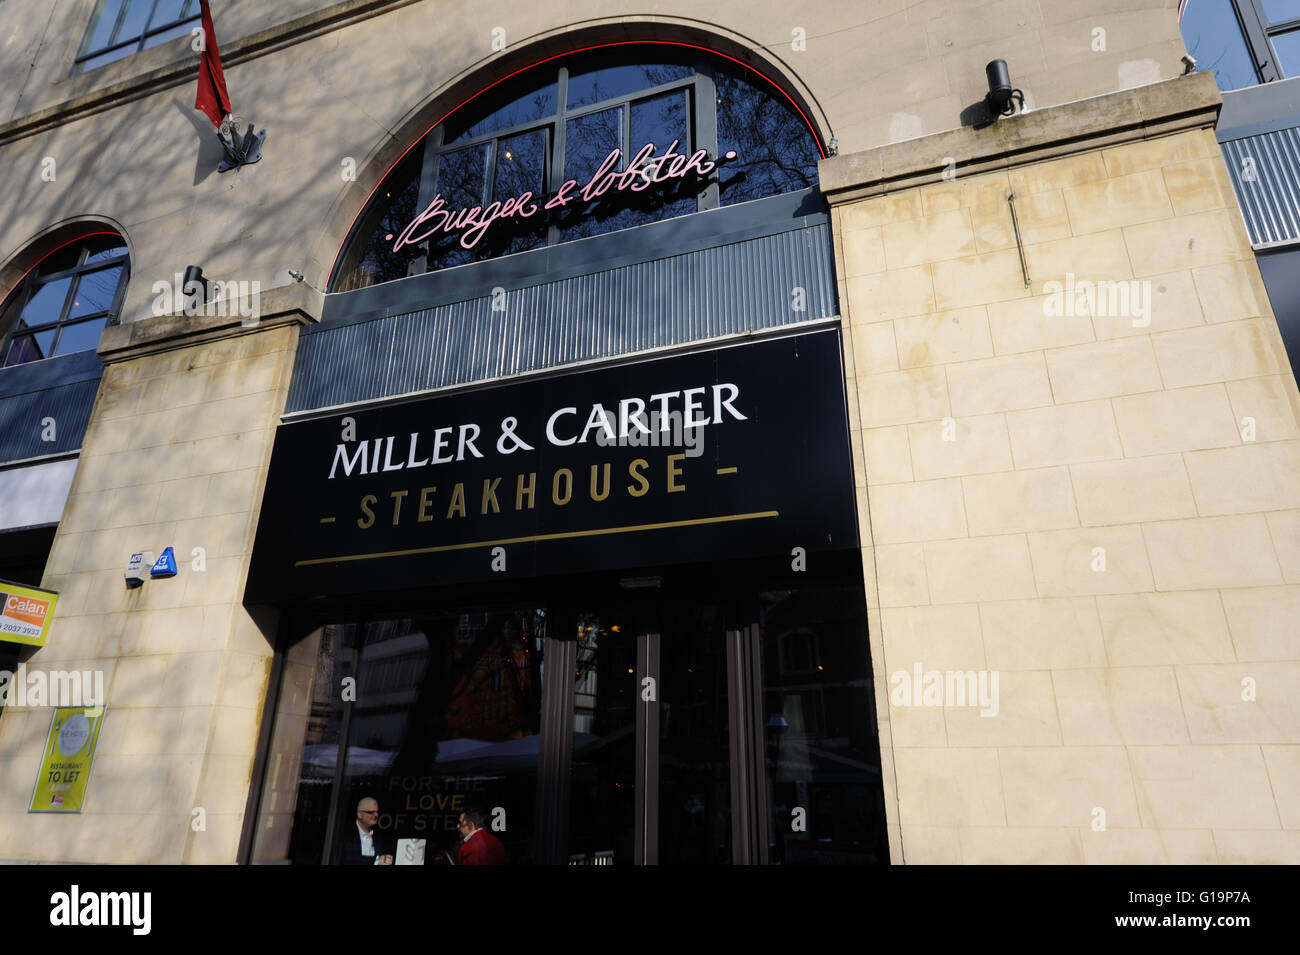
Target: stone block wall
176,454
1101,509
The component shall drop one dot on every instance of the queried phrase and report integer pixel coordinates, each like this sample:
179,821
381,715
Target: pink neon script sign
645,170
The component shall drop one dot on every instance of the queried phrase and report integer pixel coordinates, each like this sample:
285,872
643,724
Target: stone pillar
176,454
1086,485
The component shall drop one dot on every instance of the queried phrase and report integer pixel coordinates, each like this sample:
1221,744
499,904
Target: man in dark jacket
363,844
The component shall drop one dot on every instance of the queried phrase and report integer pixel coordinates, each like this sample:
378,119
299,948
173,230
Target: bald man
363,844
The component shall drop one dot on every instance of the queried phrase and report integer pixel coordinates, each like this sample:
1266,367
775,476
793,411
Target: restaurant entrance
700,714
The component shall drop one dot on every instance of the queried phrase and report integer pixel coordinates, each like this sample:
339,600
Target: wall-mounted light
1002,98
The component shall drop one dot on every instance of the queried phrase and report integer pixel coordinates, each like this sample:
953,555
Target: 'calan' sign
645,170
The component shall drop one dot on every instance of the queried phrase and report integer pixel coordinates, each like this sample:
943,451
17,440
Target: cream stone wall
176,454
1079,504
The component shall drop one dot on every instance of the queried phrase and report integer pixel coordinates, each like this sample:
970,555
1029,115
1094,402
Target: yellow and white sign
69,753
25,613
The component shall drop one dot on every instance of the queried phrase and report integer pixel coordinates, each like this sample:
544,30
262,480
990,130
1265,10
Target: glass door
650,757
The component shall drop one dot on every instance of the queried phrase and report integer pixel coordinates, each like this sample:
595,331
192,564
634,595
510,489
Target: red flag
213,99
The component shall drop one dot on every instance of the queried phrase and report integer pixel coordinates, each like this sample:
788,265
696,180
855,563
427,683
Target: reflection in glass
25,348
46,304
534,105
1279,11
598,85
520,168
602,825
694,758
1213,36
462,182
775,154
1287,46
103,32
295,804
165,11
83,336
822,752
95,292
588,140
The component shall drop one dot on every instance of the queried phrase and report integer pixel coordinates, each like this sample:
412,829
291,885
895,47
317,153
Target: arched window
490,178
63,302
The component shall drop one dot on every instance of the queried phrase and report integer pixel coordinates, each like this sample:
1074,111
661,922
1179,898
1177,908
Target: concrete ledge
1171,106
296,304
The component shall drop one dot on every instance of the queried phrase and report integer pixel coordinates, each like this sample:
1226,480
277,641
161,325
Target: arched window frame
427,151
11,321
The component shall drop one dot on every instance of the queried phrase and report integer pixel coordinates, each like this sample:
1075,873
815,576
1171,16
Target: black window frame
35,279
127,46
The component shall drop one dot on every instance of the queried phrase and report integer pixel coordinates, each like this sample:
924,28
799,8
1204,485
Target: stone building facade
1071,420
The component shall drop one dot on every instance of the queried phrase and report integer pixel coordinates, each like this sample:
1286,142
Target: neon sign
645,170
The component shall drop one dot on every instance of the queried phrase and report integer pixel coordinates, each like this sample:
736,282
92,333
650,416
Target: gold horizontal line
327,520
726,470
756,515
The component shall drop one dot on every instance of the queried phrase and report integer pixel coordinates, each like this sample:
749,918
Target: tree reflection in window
505,143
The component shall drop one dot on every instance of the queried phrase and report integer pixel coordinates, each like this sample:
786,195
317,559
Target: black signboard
738,451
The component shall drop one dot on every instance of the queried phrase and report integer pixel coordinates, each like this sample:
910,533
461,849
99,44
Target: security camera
297,276
1002,97
1189,64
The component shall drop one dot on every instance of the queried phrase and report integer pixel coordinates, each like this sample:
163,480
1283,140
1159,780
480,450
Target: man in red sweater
477,845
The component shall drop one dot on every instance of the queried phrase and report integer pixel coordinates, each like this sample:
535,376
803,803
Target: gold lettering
369,519
568,486
425,516
599,496
521,490
490,495
634,472
457,500
674,472
397,504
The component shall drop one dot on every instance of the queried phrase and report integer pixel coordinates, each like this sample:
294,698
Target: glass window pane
506,113
520,168
588,140
105,58
103,248
663,120
25,348
1279,11
103,32
1213,36
182,29
462,181
775,150
83,336
95,292
137,15
1287,46
447,715
166,11
597,85
822,749
47,304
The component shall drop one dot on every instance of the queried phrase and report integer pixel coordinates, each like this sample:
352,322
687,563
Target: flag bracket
239,149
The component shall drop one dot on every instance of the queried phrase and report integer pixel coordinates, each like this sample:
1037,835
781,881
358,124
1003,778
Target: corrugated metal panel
21,418
742,286
1265,172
